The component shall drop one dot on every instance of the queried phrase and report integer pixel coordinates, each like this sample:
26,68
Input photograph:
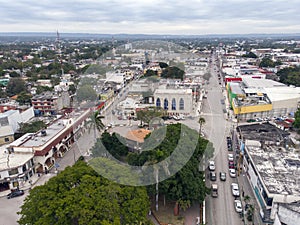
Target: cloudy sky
151,16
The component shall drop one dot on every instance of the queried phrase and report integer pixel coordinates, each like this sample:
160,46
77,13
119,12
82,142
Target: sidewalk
34,181
246,189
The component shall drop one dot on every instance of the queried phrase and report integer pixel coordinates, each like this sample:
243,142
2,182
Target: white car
235,190
238,206
232,173
230,157
211,165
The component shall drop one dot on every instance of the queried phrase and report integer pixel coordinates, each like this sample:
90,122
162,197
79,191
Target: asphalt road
219,210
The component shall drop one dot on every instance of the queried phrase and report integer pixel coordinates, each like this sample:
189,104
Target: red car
231,165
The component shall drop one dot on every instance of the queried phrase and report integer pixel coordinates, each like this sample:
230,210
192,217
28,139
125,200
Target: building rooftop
294,206
236,88
260,83
13,160
39,139
173,91
278,168
282,93
262,132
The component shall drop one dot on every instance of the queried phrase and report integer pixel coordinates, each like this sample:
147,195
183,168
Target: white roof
8,113
261,83
282,93
15,160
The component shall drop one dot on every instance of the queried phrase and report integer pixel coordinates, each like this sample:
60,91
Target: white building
175,101
37,153
10,123
273,171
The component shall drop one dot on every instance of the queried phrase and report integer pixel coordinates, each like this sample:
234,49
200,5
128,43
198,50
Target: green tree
250,55
14,74
150,113
86,93
78,195
267,62
95,123
150,73
290,76
201,122
112,144
72,89
173,72
163,65
186,185
31,127
207,76
296,123
3,94
24,98
41,89
15,86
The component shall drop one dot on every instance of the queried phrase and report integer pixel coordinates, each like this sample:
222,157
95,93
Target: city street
219,210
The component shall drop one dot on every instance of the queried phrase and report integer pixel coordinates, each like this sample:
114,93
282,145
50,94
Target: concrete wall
14,119
27,115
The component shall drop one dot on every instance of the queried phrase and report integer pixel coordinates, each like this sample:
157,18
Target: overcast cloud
151,16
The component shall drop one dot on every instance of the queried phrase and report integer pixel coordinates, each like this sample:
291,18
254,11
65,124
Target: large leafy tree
290,76
187,185
250,55
267,62
173,72
78,195
150,113
15,86
113,143
24,98
86,93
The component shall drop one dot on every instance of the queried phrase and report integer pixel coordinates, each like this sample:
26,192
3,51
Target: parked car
211,165
251,120
214,190
238,206
14,194
228,139
212,176
235,190
232,173
259,119
231,165
222,176
230,157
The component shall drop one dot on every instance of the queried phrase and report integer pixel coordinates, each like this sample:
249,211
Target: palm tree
96,123
201,121
247,198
